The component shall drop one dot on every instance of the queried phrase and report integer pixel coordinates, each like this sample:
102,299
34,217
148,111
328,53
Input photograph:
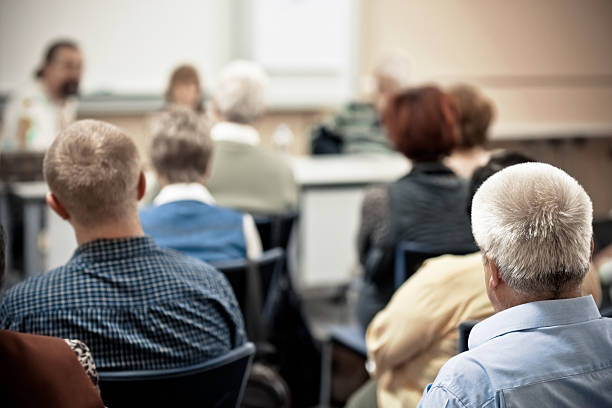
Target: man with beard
36,113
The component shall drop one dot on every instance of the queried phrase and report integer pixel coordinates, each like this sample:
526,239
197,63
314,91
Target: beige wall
547,64
545,61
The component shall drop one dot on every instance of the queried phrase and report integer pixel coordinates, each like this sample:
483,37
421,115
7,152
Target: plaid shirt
135,305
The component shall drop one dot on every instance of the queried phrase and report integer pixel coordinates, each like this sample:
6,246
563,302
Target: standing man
36,113
547,345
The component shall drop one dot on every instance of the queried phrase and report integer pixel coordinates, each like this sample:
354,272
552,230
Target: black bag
324,141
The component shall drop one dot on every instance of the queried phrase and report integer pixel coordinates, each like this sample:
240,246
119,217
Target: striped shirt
135,305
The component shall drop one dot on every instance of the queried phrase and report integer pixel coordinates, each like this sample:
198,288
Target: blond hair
93,168
181,146
534,221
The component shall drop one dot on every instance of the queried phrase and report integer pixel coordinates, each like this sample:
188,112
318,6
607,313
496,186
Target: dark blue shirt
135,305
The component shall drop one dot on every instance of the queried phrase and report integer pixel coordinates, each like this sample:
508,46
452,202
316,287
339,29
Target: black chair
409,256
252,289
602,234
218,383
464,334
275,229
606,312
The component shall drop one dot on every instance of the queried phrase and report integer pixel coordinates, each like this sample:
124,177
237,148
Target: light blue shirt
554,353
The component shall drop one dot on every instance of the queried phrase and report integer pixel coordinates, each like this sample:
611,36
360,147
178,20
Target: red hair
422,123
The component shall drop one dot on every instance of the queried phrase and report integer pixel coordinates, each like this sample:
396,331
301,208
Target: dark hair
422,123
475,114
52,52
498,162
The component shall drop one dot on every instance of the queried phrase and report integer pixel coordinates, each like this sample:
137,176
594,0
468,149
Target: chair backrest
219,382
606,312
275,229
409,256
602,233
464,334
268,269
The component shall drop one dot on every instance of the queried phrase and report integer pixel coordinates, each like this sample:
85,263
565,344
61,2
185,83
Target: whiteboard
129,46
309,48
302,35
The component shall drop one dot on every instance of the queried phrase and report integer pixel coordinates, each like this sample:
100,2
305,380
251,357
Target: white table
332,189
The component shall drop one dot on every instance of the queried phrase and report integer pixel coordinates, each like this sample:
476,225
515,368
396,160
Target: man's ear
142,186
494,278
56,206
592,249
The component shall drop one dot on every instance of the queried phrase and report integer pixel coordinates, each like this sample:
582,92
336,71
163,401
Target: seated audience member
410,340
44,371
358,127
476,113
426,205
244,176
184,215
184,89
546,346
135,305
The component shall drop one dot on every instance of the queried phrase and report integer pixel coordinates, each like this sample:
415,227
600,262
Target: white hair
93,168
239,94
181,146
535,222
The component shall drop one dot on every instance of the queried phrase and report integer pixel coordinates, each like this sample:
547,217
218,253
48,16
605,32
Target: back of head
93,168
240,92
534,221
476,113
422,123
181,146
497,162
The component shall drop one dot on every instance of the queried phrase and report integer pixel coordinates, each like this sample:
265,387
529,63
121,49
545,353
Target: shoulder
190,268
26,295
464,379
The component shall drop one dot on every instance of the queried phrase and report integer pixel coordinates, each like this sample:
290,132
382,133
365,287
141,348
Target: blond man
135,305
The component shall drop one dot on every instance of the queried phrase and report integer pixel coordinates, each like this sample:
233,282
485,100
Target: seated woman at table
184,215
427,205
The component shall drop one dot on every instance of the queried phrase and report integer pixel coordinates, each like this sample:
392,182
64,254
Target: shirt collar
533,315
103,250
234,132
183,192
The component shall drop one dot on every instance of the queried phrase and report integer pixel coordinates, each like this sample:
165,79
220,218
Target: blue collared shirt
135,305
554,353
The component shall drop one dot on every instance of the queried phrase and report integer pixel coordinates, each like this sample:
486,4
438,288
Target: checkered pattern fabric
135,305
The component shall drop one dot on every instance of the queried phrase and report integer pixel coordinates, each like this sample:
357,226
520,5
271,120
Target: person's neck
123,228
468,151
514,298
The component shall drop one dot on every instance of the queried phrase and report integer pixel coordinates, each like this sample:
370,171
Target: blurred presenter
37,112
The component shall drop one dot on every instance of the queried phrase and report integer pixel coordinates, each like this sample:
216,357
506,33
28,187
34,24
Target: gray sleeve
374,220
